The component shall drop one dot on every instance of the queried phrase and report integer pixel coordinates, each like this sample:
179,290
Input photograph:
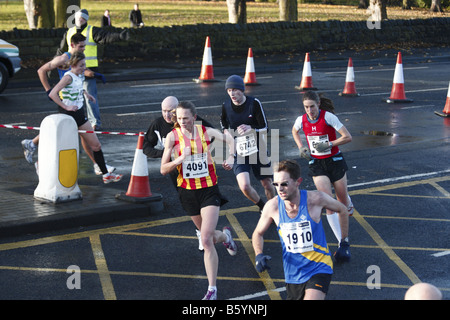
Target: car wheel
3,77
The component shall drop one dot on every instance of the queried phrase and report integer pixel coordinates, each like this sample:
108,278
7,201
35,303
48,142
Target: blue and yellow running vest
305,250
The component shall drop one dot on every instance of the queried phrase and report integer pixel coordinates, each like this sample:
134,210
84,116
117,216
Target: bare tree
46,16
363,4
63,10
31,12
49,13
237,11
288,10
406,4
379,6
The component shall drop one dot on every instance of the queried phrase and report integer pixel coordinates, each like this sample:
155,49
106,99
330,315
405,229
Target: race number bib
246,145
313,141
297,236
196,166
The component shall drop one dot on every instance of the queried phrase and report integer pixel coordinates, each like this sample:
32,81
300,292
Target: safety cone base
305,89
390,100
349,94
442,114
205,80
155,197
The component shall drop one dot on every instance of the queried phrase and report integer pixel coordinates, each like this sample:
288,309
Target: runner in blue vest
297,213
243,117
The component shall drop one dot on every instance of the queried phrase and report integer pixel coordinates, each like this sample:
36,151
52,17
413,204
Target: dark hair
289,166
323,102
77,38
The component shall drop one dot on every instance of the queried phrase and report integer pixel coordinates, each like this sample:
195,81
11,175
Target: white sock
333,221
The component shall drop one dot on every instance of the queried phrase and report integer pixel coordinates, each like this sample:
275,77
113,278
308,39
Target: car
9,62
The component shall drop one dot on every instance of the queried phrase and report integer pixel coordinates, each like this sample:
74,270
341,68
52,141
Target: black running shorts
320,281
333,167
194,200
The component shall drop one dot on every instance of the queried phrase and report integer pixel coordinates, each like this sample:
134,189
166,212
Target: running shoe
111,177
231,246
210,295
98,172
199,236
28,150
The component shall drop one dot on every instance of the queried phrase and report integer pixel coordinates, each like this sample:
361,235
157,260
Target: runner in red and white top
327,165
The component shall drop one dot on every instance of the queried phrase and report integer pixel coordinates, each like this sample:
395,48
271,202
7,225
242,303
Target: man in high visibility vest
93,36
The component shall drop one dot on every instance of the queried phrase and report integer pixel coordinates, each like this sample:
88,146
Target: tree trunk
46,17
378,8
436,6
237,11
288,10
363,4
63,10
406,4
31,13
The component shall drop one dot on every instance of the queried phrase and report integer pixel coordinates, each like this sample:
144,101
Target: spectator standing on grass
106,19
136,17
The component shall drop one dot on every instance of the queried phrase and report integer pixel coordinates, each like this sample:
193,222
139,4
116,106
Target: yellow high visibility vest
91,47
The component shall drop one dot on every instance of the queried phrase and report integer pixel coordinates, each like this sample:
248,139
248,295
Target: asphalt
21,213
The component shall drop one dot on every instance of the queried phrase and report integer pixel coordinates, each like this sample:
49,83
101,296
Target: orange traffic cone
398,87
446,112
250,76
139,187
207,72
349,88
306,83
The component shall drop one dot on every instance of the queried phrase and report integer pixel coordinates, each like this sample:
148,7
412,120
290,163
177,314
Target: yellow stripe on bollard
68,167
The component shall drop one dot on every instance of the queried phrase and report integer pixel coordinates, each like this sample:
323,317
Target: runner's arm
49,66
267,217
166,164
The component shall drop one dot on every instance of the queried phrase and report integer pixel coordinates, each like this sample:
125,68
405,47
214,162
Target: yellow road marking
103,272
265,277
387,250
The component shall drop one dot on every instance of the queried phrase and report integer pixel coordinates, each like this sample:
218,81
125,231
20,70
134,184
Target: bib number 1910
297,236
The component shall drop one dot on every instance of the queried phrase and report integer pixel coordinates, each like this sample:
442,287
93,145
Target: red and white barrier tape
9,126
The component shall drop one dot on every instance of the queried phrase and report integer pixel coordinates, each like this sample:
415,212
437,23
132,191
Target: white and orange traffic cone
139,187
349,88
250,76
446,112
306,83
207,72
398,87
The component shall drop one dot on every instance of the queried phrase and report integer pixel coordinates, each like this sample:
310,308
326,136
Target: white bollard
58,160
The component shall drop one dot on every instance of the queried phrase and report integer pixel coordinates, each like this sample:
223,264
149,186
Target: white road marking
389,180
